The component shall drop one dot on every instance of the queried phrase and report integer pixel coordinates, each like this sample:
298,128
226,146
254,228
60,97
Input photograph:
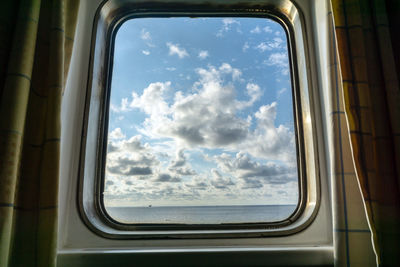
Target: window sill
227,256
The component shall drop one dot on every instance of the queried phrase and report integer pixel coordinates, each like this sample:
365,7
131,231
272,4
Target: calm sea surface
201,214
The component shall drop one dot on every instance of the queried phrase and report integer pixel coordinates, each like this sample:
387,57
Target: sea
201,214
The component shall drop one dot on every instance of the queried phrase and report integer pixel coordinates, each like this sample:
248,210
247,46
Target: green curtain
372,102
35,48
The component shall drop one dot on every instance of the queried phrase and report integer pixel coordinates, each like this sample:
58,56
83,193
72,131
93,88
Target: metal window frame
110,15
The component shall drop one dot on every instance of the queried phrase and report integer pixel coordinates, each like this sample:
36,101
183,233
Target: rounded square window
201,125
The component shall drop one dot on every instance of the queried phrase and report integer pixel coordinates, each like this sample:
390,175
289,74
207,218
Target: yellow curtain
35,47
372,103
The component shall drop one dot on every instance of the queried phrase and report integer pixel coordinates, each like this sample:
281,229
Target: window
140,151
201,123
88,236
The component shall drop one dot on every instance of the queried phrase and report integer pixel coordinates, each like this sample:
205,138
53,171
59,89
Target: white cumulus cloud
256,30
227,24
216,125
253,174
203,54
269,141
174,49
275,43
152,100
279,60
267,29
116,134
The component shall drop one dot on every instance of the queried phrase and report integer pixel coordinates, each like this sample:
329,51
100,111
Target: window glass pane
201,127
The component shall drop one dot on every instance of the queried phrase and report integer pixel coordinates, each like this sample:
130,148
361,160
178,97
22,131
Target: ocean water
201,214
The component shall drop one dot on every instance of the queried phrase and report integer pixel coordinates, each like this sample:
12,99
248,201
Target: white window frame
82,223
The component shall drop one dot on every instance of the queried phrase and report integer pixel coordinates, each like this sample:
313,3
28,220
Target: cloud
250,183
229,21
245,47
130,167
197,183
267,29
279,60
280,92
184,171
227,24
219,125
203,54
139,171
237,178
170,69
180,159
152,101
256,30
179,165
128,157
135,164
116,134
133,144
228,69
146,52
111,148
275,43
145,35
220,182
262,47
174,49
254,174
269,141
166,177
254,91
124,106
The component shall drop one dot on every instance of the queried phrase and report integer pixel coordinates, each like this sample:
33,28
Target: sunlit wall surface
201,126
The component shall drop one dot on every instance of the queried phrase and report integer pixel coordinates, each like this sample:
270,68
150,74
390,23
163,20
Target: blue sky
201,114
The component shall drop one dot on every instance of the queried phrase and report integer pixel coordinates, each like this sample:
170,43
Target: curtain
35,47
372,105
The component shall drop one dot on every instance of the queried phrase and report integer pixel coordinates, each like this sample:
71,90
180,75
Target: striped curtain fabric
352,235
35,47
372,107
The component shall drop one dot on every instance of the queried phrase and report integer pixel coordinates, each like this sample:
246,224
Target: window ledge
227,256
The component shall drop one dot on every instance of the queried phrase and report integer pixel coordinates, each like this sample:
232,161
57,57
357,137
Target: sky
201,113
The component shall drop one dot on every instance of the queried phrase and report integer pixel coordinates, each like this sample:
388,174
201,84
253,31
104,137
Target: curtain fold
36,43
372,102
